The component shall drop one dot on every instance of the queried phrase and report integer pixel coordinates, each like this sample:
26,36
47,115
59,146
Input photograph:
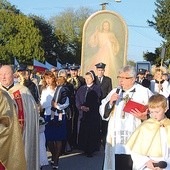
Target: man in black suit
105,84
141,78
77,81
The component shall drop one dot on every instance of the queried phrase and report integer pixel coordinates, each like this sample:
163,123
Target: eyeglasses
119,77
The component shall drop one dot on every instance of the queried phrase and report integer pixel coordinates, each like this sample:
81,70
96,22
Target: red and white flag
38,66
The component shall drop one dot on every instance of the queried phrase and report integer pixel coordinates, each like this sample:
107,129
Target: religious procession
61,111
103,105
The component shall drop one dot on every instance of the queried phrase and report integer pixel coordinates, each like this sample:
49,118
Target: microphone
160,164
108,111
117,92
118,89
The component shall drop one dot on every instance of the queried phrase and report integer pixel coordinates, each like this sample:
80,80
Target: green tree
49,41
18,36
154,58
161,23
68,29
131,62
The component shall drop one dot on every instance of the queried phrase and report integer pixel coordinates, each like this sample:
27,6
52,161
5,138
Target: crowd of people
62,111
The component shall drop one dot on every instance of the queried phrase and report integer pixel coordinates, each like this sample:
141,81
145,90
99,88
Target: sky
141,37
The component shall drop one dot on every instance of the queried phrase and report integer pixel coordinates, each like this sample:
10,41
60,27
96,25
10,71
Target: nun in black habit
88,99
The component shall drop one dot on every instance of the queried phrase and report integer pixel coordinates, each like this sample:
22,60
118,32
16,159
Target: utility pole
104,5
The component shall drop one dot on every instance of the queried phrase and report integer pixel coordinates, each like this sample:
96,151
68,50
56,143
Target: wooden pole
162,59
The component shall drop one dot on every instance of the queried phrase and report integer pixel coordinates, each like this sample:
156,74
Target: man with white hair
122,123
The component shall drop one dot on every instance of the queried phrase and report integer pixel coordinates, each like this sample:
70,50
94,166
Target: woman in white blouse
55,130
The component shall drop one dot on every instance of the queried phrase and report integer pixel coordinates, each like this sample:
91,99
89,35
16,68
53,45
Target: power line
147,36
139,26
140,46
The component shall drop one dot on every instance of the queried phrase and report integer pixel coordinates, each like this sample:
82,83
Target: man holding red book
123,122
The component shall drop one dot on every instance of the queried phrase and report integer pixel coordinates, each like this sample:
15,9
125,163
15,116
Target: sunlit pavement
76,160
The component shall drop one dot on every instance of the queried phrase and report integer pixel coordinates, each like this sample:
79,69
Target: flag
38,66
162,55
163,52
16,62
59,65
48,65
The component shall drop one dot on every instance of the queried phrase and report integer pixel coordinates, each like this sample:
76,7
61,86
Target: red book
134,105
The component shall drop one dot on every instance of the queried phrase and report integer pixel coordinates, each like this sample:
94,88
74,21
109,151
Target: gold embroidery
125,99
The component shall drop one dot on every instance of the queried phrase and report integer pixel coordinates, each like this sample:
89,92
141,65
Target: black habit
89,122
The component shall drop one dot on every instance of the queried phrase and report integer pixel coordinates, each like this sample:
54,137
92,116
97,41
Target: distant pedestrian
141,78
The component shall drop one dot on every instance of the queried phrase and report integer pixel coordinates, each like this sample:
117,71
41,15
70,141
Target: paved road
78,161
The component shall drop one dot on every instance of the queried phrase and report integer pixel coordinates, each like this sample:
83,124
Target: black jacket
105,85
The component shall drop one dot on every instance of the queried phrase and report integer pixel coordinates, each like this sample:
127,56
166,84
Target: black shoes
55,166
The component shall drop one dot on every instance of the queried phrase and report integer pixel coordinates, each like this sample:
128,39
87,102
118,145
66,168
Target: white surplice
119,129
42,141
150,141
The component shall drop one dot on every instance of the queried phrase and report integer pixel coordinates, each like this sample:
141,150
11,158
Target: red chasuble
2,167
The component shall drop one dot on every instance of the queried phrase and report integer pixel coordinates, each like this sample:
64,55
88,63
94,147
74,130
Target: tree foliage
18,36
131,63
153,57
68,29
49,41
162,23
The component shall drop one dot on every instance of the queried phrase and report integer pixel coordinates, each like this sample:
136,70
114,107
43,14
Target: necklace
126,99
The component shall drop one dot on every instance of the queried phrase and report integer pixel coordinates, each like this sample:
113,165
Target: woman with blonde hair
159,85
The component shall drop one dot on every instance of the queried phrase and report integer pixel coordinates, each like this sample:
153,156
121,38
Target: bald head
6,75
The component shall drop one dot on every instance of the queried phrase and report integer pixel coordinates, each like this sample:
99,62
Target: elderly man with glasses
122,123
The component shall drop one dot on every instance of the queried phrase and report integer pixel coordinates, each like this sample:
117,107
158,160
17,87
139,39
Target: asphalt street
76,160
